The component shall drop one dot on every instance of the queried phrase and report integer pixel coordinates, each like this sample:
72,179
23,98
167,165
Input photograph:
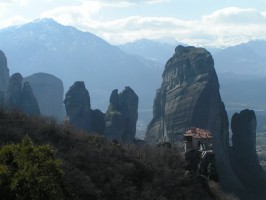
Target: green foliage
95,168
29,172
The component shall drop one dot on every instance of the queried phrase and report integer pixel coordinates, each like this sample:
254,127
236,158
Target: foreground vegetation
97,169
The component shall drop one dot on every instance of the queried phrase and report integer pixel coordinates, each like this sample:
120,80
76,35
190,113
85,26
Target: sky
209,23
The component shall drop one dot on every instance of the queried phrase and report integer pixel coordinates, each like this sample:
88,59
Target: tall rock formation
121,116
28,102
97,121
244,158
78,107
4,72
79,112
189,96
13,93
49,92
21,99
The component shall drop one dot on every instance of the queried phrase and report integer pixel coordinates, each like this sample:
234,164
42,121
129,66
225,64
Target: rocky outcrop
244,158
189,96
13,93
119,122
4,72
2,99
21,99
78,107
49,92
28,102
97,121
121,116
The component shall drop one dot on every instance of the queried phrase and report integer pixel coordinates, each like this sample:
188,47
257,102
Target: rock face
189,96
21,99
121,116
2,99
244,158
78,107
28,102
49,92
4,72
97,121
13,93
118,123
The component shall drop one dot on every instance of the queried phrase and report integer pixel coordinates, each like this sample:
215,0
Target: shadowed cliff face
120,120
77,104
244,158
13,94
189,96
21,99
29,104
4,72
121,116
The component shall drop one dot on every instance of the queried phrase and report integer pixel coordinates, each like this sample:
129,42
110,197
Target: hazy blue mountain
156,50
247,58
72,55
243,91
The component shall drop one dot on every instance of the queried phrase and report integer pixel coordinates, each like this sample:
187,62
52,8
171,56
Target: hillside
95,168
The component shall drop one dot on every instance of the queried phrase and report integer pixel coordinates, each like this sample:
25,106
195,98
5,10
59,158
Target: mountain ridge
71,55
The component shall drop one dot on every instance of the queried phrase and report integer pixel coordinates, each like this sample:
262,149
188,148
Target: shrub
29,172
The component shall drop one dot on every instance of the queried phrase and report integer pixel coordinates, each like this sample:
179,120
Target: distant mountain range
151,49
72,55
248,58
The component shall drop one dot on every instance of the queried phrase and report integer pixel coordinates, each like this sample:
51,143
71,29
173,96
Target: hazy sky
196,22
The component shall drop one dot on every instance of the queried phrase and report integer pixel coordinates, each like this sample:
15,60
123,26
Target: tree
30,172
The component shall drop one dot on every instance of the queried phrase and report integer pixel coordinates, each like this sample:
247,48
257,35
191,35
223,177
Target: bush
29,172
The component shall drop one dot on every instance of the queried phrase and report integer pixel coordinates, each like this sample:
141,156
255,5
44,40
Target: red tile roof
198,133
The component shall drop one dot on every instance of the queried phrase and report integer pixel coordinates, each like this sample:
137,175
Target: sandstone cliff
49,92
121,116
4,72
79,112
78,107
189,96
244,159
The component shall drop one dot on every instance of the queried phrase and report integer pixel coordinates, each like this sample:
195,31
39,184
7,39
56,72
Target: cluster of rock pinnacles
119,121
14,95
189,97
32,94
